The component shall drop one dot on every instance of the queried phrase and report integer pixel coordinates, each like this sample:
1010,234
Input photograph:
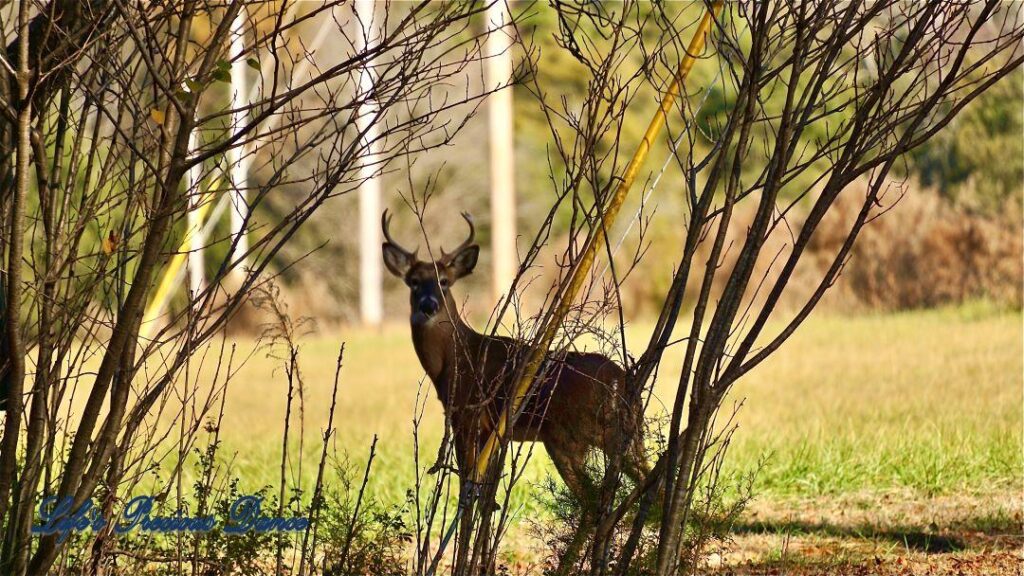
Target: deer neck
437,344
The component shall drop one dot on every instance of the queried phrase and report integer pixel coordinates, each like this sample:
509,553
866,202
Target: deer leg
474,556
624,437
463,454
636,465
464,458
571,466
570,462
439,462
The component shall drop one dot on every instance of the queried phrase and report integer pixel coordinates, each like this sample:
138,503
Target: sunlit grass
926,401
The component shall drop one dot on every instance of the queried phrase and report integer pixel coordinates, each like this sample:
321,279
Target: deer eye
412,283
443,282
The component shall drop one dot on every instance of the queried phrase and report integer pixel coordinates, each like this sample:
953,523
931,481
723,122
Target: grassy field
926,401
903,414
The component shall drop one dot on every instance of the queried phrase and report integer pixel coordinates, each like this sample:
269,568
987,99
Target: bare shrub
114,126
823,102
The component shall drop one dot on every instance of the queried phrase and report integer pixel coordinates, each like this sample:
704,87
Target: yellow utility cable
594,239
167,284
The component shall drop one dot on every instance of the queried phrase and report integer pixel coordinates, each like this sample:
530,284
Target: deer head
429,282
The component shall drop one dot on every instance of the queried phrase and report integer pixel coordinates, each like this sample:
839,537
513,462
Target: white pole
498,49
238,162
370,256
195,260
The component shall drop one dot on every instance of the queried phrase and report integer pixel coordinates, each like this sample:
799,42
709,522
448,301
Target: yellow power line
170,279
594,239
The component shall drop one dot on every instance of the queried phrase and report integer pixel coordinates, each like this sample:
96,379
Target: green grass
929,401
926,401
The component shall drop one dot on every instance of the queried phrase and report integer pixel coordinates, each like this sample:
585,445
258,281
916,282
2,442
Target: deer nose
429,306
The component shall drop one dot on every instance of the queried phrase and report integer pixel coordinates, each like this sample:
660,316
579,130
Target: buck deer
579,404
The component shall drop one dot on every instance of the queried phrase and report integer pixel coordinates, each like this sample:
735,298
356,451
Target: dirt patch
884,534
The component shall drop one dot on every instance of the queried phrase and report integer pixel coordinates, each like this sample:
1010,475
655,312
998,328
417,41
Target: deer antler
385,222
469,241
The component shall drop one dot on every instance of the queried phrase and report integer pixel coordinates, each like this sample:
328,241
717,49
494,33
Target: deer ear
463,262
396,260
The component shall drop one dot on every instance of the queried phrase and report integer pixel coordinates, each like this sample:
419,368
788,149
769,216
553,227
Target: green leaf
253,63
221,75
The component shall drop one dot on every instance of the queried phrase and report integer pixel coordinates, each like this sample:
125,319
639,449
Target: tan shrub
921,252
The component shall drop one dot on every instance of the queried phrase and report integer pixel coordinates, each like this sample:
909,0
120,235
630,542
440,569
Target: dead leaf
110,243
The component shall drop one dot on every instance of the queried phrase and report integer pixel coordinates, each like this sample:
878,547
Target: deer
578,405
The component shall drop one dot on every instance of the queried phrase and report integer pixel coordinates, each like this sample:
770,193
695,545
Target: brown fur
582,405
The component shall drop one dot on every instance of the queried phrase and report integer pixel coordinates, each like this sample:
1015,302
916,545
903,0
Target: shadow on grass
918,540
